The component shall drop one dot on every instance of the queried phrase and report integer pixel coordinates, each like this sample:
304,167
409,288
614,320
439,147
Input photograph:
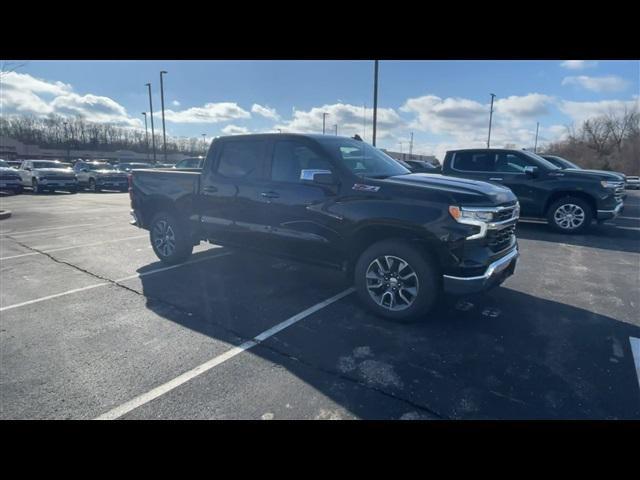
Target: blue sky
444,103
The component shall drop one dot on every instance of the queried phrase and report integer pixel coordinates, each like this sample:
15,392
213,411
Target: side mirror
322,177
531,171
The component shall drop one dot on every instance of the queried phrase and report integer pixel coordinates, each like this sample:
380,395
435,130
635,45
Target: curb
5,214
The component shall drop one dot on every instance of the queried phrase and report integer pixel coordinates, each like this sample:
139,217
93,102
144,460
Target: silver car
633,182
48,175
9,178
97,176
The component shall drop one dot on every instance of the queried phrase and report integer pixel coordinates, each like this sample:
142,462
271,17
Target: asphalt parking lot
93,326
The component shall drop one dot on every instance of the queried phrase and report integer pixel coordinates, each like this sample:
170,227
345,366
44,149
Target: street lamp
153,134
164,135
204,142
324,115
336,126
67,141
493,95
146,134
535,146
375,102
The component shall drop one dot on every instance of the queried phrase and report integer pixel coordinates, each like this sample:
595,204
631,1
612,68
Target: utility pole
146,134
324,115
411,146
336,125
164,135
490,118
375,102
204,142
535,147
153,133
364,121
66,134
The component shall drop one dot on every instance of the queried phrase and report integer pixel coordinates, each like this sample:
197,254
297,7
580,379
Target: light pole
324,115
493,95
336,125
364,121
67,141
164,135
153,135
535,147
204,142
146,134
411,146
375,102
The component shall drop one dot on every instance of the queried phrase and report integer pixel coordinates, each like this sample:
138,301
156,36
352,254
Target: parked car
565,164
128,166
568,199
420,166
334,201
195,162
633,182
48,175
98,176
14,163
9,178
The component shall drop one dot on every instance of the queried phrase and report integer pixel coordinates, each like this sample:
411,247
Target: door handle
495,178
210,189
270,195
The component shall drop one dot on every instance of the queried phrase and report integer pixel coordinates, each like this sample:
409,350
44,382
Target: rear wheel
570,215
92,186
396,281
170,239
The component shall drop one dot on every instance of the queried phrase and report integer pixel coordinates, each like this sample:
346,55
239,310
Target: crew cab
9,178
98,176
568,199
48,175
404,238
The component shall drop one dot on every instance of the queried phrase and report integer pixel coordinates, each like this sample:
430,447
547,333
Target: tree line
607,142
80,134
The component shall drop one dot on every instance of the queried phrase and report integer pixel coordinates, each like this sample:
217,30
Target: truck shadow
505,354
606,237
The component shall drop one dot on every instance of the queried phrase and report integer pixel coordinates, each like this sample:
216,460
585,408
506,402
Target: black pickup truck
405,238
568,199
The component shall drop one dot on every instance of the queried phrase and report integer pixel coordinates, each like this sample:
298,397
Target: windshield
363,159
49,165
562,162
541,161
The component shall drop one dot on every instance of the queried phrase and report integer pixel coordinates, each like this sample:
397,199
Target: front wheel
93,187
570,215
170,239
35,186
396,281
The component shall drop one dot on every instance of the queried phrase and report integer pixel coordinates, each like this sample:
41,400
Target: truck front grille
507,213
501,239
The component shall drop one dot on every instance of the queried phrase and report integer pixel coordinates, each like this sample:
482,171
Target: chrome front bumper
609,214
495,274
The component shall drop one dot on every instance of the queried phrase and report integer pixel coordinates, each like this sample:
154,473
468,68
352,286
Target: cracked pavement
551,343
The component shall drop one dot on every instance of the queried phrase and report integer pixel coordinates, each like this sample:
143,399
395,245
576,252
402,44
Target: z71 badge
365,188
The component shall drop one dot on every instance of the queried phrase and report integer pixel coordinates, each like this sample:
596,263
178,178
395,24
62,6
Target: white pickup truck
48,175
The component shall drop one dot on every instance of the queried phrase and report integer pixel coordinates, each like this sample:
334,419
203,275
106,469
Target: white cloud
265,111
24,94
209,113
610,83
525,107
578,64
580,111
175,103
349,118
234,130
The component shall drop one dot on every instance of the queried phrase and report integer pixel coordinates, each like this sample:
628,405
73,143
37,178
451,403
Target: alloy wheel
392,283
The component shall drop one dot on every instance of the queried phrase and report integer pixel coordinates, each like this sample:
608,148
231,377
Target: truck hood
603,174
494,193
54,171
592,174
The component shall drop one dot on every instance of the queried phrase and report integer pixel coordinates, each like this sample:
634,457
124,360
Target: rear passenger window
291,157
241,159
474,161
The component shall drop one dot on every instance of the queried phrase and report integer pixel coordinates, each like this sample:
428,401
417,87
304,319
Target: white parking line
92,226
214,362
95,285
71,247
46,229
635,350
622,228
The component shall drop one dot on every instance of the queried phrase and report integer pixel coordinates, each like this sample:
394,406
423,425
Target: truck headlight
609,184
462,214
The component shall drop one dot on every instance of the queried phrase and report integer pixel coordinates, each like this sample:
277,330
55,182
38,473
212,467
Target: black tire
426,273
73,190
35,187
18,190
564,213
170,252
93,187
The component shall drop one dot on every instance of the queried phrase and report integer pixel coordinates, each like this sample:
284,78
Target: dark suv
568,199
